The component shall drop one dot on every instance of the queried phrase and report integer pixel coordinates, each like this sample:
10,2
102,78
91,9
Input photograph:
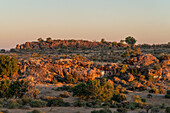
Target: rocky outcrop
65,44
147,59
47,69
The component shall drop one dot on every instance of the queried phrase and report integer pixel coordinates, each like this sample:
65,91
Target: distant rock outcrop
65,44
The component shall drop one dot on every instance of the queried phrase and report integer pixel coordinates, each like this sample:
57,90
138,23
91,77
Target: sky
27,20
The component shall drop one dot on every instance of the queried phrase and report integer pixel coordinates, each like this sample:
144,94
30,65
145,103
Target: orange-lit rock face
147,59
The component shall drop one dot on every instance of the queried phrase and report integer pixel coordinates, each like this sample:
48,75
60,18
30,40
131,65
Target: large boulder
147,59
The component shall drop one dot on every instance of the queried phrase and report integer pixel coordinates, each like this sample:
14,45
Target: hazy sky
26,20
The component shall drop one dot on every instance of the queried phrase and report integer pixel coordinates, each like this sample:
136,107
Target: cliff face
63,44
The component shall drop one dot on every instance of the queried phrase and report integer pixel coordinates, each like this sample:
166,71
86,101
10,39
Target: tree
130,40
19,88
8,65
3,50
122,41
49,39
40,40
102,40
4,88
15,89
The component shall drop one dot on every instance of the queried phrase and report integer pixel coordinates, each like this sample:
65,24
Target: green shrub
4,89
8,65
167,96
119,97
70,80
57,102
37,103
168,92
15,89
26,100
94,89
130,106
162,106
155,110
19,101
122,110
167,110
13,106
67,88
1,100
95,104
36,111
143,99
79,103
19,88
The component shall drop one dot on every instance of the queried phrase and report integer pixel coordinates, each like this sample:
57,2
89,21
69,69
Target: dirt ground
46,90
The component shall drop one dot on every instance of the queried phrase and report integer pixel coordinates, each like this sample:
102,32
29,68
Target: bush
13,106
102,111
122,110
67,88
155,110
168,92
167,96
119,97
57,102
4,88
19,101
79,103
96,104
8,65
94,89
37,103
130,106
167,110
143,100
26,100
70,80
149,96
19,88
162,106
15,89
36,111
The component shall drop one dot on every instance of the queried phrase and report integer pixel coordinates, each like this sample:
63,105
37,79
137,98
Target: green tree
102,40
19,88
130,40
40,40
4,88
16,89
3,50
49,39
8,65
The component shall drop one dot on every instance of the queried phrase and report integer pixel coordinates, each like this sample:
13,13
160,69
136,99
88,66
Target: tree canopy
130,40
8,65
